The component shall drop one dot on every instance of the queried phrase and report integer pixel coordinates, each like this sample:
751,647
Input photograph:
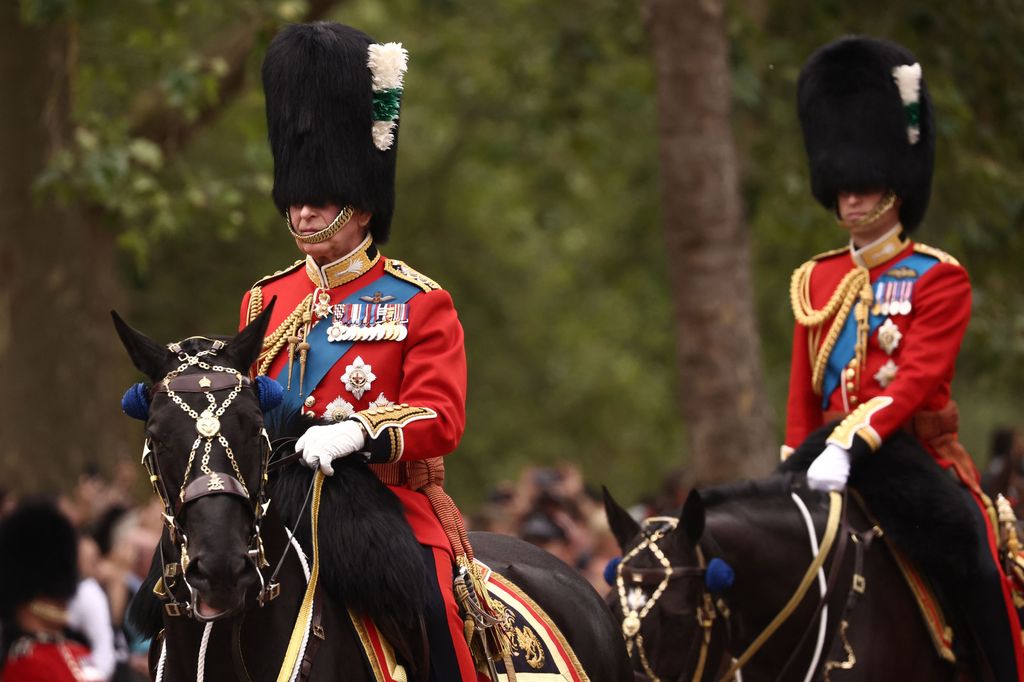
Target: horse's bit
210,482
654,529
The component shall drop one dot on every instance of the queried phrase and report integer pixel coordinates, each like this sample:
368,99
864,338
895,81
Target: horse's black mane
369,559
778,485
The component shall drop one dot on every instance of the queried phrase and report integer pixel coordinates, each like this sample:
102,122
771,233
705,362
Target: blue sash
846,344
324,354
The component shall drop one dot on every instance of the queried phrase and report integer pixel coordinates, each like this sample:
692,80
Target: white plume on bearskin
388,63
908,80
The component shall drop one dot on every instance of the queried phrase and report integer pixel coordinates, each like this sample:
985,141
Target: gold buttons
310,401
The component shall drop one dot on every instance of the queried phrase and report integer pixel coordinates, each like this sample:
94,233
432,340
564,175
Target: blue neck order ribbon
846,343
324,354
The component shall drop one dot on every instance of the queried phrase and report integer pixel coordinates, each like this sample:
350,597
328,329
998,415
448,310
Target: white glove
830,469
321,445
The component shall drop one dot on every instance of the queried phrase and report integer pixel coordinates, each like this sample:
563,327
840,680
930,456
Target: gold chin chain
853,290
323,235
887,201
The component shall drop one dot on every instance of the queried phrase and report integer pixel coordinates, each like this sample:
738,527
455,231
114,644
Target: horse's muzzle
219,584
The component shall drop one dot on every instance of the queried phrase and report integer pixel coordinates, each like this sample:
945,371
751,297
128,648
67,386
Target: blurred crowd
115,540
553,508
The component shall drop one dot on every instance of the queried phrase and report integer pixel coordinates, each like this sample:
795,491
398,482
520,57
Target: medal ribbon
890,288
324,354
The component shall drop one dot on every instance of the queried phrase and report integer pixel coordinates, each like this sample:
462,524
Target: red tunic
47,661
412,399
920,366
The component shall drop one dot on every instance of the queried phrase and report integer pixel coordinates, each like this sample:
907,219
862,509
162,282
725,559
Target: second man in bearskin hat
879,322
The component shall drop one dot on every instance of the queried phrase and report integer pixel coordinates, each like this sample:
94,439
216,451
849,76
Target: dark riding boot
983,606
444,664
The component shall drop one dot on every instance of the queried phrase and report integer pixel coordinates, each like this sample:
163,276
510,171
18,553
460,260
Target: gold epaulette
404,272
832,252
939,254
256,290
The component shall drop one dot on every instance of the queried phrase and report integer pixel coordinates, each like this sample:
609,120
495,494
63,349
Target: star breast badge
889,336
886,373
358,377
338,410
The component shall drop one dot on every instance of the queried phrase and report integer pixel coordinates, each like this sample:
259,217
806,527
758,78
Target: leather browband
653,576
209,485
200,383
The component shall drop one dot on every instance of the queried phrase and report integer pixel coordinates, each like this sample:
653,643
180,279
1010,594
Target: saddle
538,651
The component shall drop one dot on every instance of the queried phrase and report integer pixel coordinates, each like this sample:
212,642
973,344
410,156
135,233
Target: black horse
225,612
689,616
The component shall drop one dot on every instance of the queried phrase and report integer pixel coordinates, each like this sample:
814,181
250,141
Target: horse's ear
624,527
243,350
692,517
147,355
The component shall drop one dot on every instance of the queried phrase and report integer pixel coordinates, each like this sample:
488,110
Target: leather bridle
213,381
653,530
656,528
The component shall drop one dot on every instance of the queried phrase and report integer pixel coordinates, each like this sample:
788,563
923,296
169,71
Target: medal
322,307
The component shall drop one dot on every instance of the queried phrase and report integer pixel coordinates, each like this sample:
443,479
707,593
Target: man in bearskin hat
38,576
880,321
360,340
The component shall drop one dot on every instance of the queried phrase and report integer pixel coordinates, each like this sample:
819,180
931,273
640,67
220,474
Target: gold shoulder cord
255,303
855,285
286,333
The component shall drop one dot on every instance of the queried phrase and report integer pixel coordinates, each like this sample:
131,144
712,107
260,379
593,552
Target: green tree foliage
528,186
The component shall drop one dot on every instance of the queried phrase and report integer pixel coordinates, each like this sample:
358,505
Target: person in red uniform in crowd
38,577
360,340
879,322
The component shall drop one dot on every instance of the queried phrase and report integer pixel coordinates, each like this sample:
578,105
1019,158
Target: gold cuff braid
858,423
376,419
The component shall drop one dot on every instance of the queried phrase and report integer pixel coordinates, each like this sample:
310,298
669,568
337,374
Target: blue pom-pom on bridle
611,569
270,392
718,576
135,401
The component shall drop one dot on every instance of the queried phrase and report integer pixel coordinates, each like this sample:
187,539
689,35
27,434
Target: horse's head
661,595
207,455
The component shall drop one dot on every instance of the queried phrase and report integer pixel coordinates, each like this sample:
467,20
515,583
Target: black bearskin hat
320,119
861,129
38,556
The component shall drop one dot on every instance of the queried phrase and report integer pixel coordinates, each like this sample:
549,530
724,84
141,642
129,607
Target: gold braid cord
255,304
853,290
288,328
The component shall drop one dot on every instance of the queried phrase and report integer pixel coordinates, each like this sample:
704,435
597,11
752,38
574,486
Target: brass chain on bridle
633,620
208,427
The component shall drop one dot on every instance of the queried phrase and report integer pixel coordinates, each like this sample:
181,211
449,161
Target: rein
656,528
212,383
831,527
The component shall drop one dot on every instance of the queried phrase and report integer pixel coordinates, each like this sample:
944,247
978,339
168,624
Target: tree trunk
722,393
60,365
